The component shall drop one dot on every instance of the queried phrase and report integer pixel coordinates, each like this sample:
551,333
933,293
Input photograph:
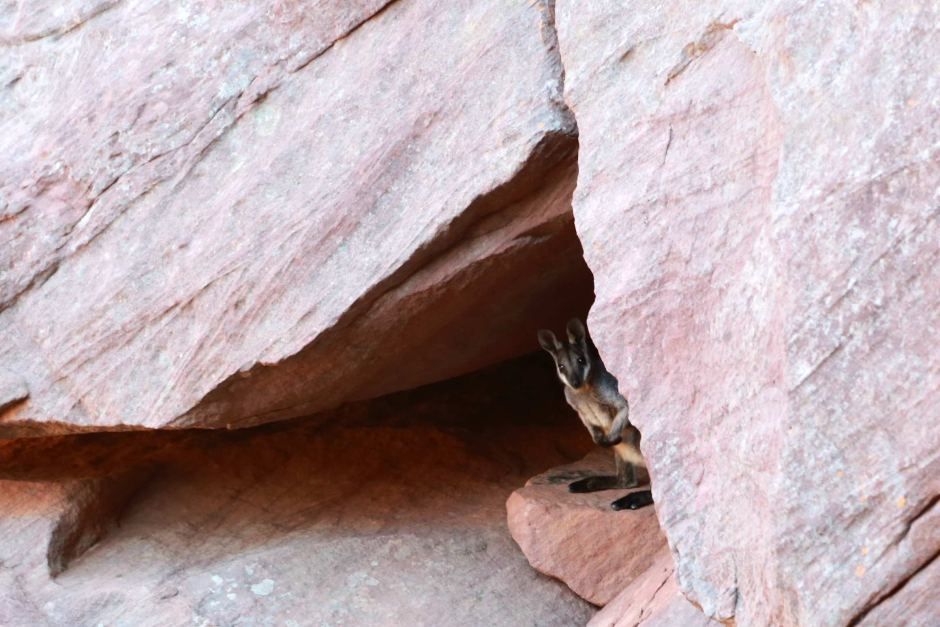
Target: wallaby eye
581,360
561,368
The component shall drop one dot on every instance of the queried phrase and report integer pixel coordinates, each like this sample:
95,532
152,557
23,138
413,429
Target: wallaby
594,394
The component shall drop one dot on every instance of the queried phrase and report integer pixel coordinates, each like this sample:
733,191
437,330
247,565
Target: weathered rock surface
393,514
578,538
652,600
758,194
224,215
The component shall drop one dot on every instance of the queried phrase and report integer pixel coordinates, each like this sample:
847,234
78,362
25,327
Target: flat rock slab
578,538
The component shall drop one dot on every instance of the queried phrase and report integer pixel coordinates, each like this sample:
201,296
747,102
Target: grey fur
594,393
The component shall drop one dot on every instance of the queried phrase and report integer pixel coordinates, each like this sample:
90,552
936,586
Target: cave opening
385,510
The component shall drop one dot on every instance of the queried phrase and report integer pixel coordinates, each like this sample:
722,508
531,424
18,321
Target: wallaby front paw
608,442
634,500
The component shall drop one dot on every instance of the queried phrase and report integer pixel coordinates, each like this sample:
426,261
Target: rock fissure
927,508
384,6
64,29
652,600
887,596
694,50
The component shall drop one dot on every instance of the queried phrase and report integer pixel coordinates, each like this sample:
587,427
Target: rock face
758,201
218,215
578,538
391,515
224,215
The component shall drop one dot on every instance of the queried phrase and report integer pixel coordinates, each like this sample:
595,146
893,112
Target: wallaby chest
590,408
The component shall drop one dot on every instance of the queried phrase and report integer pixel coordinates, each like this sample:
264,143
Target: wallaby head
572,359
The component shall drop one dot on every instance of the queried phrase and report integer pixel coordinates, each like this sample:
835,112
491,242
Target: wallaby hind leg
634,500
626,473
625,478
629,459
594,484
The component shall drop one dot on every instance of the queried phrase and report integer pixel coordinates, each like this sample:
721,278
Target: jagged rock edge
550,152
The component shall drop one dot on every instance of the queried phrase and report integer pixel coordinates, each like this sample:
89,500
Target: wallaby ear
548,341
576,331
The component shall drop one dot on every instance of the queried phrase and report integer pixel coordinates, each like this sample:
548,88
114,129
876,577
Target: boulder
578,538
758,200
218,216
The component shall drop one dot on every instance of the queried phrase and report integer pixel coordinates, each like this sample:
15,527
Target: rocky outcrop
578,538
217,215
391,513
236,215
757,199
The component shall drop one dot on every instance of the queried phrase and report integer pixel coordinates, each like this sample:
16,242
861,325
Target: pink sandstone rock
223,214
45,525
230,214
758,200
578,538
652,600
